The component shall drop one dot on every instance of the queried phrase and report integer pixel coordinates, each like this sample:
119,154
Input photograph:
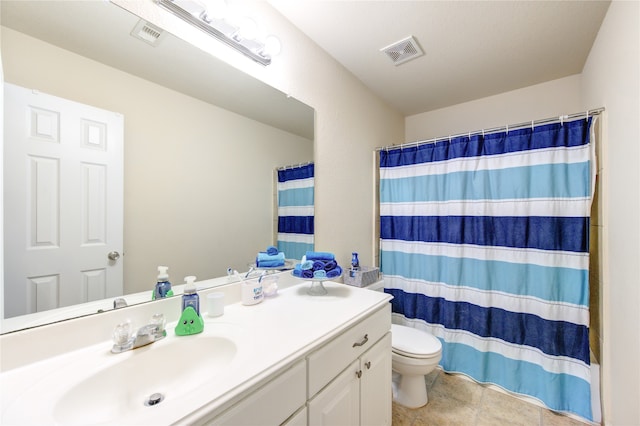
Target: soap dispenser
190,321
163,286
190,297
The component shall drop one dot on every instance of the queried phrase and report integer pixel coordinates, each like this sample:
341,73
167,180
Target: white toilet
415,353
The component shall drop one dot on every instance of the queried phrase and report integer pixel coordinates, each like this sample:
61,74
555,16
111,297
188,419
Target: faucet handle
122,333
159,321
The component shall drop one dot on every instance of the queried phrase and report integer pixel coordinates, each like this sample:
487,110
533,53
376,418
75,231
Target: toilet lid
413,342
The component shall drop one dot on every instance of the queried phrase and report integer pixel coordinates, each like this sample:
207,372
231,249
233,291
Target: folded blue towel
270,263
272,250
335,272
320,255
318,265
264,260
306,265
330,265
321,273
302,273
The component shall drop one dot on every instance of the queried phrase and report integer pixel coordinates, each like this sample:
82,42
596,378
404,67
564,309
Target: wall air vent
403,50
147,32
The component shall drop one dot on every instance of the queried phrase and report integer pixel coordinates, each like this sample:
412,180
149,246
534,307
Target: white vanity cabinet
359,392
346,381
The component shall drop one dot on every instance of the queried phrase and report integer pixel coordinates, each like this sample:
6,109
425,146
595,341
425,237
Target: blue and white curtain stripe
485,244
296,210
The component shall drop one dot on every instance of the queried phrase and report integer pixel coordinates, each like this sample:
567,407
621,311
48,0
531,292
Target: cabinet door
339,402
298,419
375,384
270,405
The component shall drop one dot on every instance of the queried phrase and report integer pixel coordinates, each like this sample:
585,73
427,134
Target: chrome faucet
125,340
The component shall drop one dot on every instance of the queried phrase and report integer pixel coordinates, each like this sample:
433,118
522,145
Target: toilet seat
414,343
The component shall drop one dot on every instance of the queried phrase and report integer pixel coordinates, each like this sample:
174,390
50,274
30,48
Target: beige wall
198,178
611,78
545,100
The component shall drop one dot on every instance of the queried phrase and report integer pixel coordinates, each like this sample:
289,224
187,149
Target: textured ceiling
473,49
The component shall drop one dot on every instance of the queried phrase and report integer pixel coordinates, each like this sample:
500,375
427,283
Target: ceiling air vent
147,32
403,51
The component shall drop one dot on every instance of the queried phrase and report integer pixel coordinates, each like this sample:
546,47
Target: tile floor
457,401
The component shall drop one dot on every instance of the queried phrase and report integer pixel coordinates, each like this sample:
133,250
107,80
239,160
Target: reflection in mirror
201,141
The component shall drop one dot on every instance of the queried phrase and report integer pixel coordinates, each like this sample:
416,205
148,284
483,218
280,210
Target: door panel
63,202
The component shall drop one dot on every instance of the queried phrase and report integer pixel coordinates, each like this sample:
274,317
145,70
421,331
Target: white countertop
269,336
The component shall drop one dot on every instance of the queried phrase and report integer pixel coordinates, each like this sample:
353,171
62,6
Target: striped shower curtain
295,210
485,244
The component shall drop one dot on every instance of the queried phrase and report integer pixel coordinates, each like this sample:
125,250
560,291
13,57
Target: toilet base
410,391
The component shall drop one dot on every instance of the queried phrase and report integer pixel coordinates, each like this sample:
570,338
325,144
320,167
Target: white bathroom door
63,202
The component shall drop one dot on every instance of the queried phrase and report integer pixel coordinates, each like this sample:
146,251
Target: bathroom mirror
201,139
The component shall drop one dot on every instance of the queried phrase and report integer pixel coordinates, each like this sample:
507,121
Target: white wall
550,99
611,78
198,187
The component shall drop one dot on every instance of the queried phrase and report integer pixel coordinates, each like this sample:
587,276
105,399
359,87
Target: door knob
113,255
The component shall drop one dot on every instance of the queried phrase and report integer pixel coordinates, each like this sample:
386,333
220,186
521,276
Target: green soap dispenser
190,323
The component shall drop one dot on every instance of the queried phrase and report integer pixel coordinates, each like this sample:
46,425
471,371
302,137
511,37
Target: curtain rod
532,123
293,166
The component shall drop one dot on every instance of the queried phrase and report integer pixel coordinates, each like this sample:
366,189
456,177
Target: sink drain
154,399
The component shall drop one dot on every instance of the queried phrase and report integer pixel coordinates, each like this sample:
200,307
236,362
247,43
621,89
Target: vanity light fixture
240,37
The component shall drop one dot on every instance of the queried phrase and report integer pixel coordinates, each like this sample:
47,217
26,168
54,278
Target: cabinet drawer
328,361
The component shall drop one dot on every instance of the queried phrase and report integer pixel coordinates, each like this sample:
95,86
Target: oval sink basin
171,367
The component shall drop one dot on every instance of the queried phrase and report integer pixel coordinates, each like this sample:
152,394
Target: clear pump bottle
190,297
163,286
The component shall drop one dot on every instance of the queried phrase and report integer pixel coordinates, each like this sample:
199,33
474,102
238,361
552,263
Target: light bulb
248,29
215,9
272,46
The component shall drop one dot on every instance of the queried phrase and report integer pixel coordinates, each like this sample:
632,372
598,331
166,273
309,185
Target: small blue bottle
190,297
163,286
355,263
